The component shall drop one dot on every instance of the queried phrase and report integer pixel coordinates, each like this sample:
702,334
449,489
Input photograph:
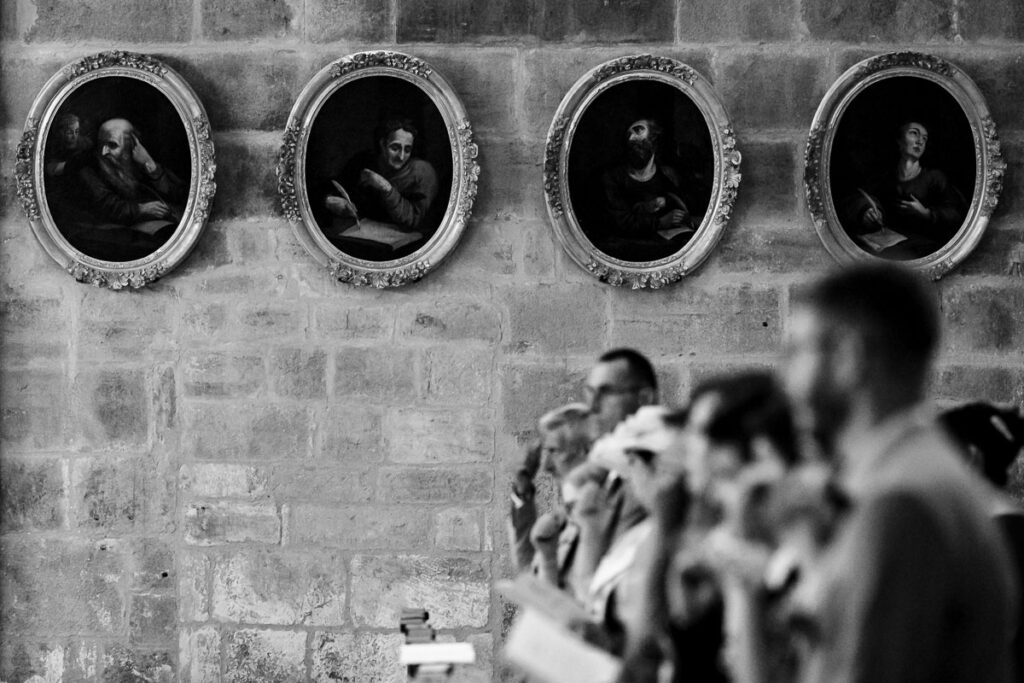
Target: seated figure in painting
67,152
647,204
908,211
380,204
126,204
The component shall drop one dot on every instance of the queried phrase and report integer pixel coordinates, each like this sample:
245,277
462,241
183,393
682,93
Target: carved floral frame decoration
989,165
30,177
292,181
725,184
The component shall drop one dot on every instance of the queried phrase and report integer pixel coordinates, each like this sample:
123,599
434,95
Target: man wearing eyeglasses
620,382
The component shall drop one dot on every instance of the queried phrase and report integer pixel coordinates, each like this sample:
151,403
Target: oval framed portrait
115,169
378,171
903,163
641,171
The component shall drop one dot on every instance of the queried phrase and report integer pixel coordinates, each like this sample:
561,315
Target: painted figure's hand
544,534
873,218
340,207
676,218
914,207
141,156
374,180
155,209
653,205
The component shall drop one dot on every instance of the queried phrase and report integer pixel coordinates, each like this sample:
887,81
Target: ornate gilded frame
31,180
292,181
989,164
725,182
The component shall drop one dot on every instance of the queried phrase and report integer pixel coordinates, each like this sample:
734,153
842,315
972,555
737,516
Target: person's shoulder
421,166
669,172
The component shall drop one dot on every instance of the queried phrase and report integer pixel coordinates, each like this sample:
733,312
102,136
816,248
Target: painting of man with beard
644,198
128,204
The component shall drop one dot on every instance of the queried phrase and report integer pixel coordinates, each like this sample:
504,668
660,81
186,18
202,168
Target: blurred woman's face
708,462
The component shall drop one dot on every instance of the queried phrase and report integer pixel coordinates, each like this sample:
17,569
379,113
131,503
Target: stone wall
245,470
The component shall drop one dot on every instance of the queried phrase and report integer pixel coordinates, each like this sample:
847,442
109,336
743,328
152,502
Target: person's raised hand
374,180
141,156
545,532
913,206
156,209
676,218
873,218
339,206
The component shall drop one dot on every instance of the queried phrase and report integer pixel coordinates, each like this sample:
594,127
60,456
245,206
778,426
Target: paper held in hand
551,653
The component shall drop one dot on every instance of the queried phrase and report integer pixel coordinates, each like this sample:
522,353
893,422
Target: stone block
232,522
458,529
351,434
363,528
9,21
199,654
360,21
271,320
455,590
151,565
201,321
992,19
1000,77
159,21
219,374
483,670
246,178
62,586
458,375
224,480
448,319
122,663
422,21
693,322
1012,198
258,655
752,248
153,619
434,436
114,408
247,432
48,660
32,414
299,373
528,391
273,587
513,187
466,484
357,657
559,320
194,586
770,184
610,21
745,20
486,255
378,373
24,76
765,90
211,251
122,325
33,330
246,19
342,323
243,89
917,21
962,384
291,483
983,318
121,495
999,253
31,494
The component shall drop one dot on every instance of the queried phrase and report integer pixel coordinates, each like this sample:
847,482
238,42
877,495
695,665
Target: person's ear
647,396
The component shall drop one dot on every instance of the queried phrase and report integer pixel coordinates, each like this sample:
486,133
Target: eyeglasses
597,394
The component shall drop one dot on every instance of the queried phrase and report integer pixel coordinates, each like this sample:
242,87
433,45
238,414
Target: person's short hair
891,309
389,125
653,126
749,405
572,414
905,123
997,434
640,369
65,120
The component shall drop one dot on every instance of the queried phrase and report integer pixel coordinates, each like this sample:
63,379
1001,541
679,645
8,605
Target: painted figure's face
396,150
912,140
640,143
114,145
69,134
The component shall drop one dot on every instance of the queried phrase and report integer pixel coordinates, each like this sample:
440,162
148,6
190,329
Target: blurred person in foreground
706,489
916,583
546,544
992,440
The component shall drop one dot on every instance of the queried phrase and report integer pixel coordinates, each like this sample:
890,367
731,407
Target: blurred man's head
565,438
861,337
620,382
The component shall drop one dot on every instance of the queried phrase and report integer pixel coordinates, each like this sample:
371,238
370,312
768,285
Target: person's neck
908,169
867,412
644,173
